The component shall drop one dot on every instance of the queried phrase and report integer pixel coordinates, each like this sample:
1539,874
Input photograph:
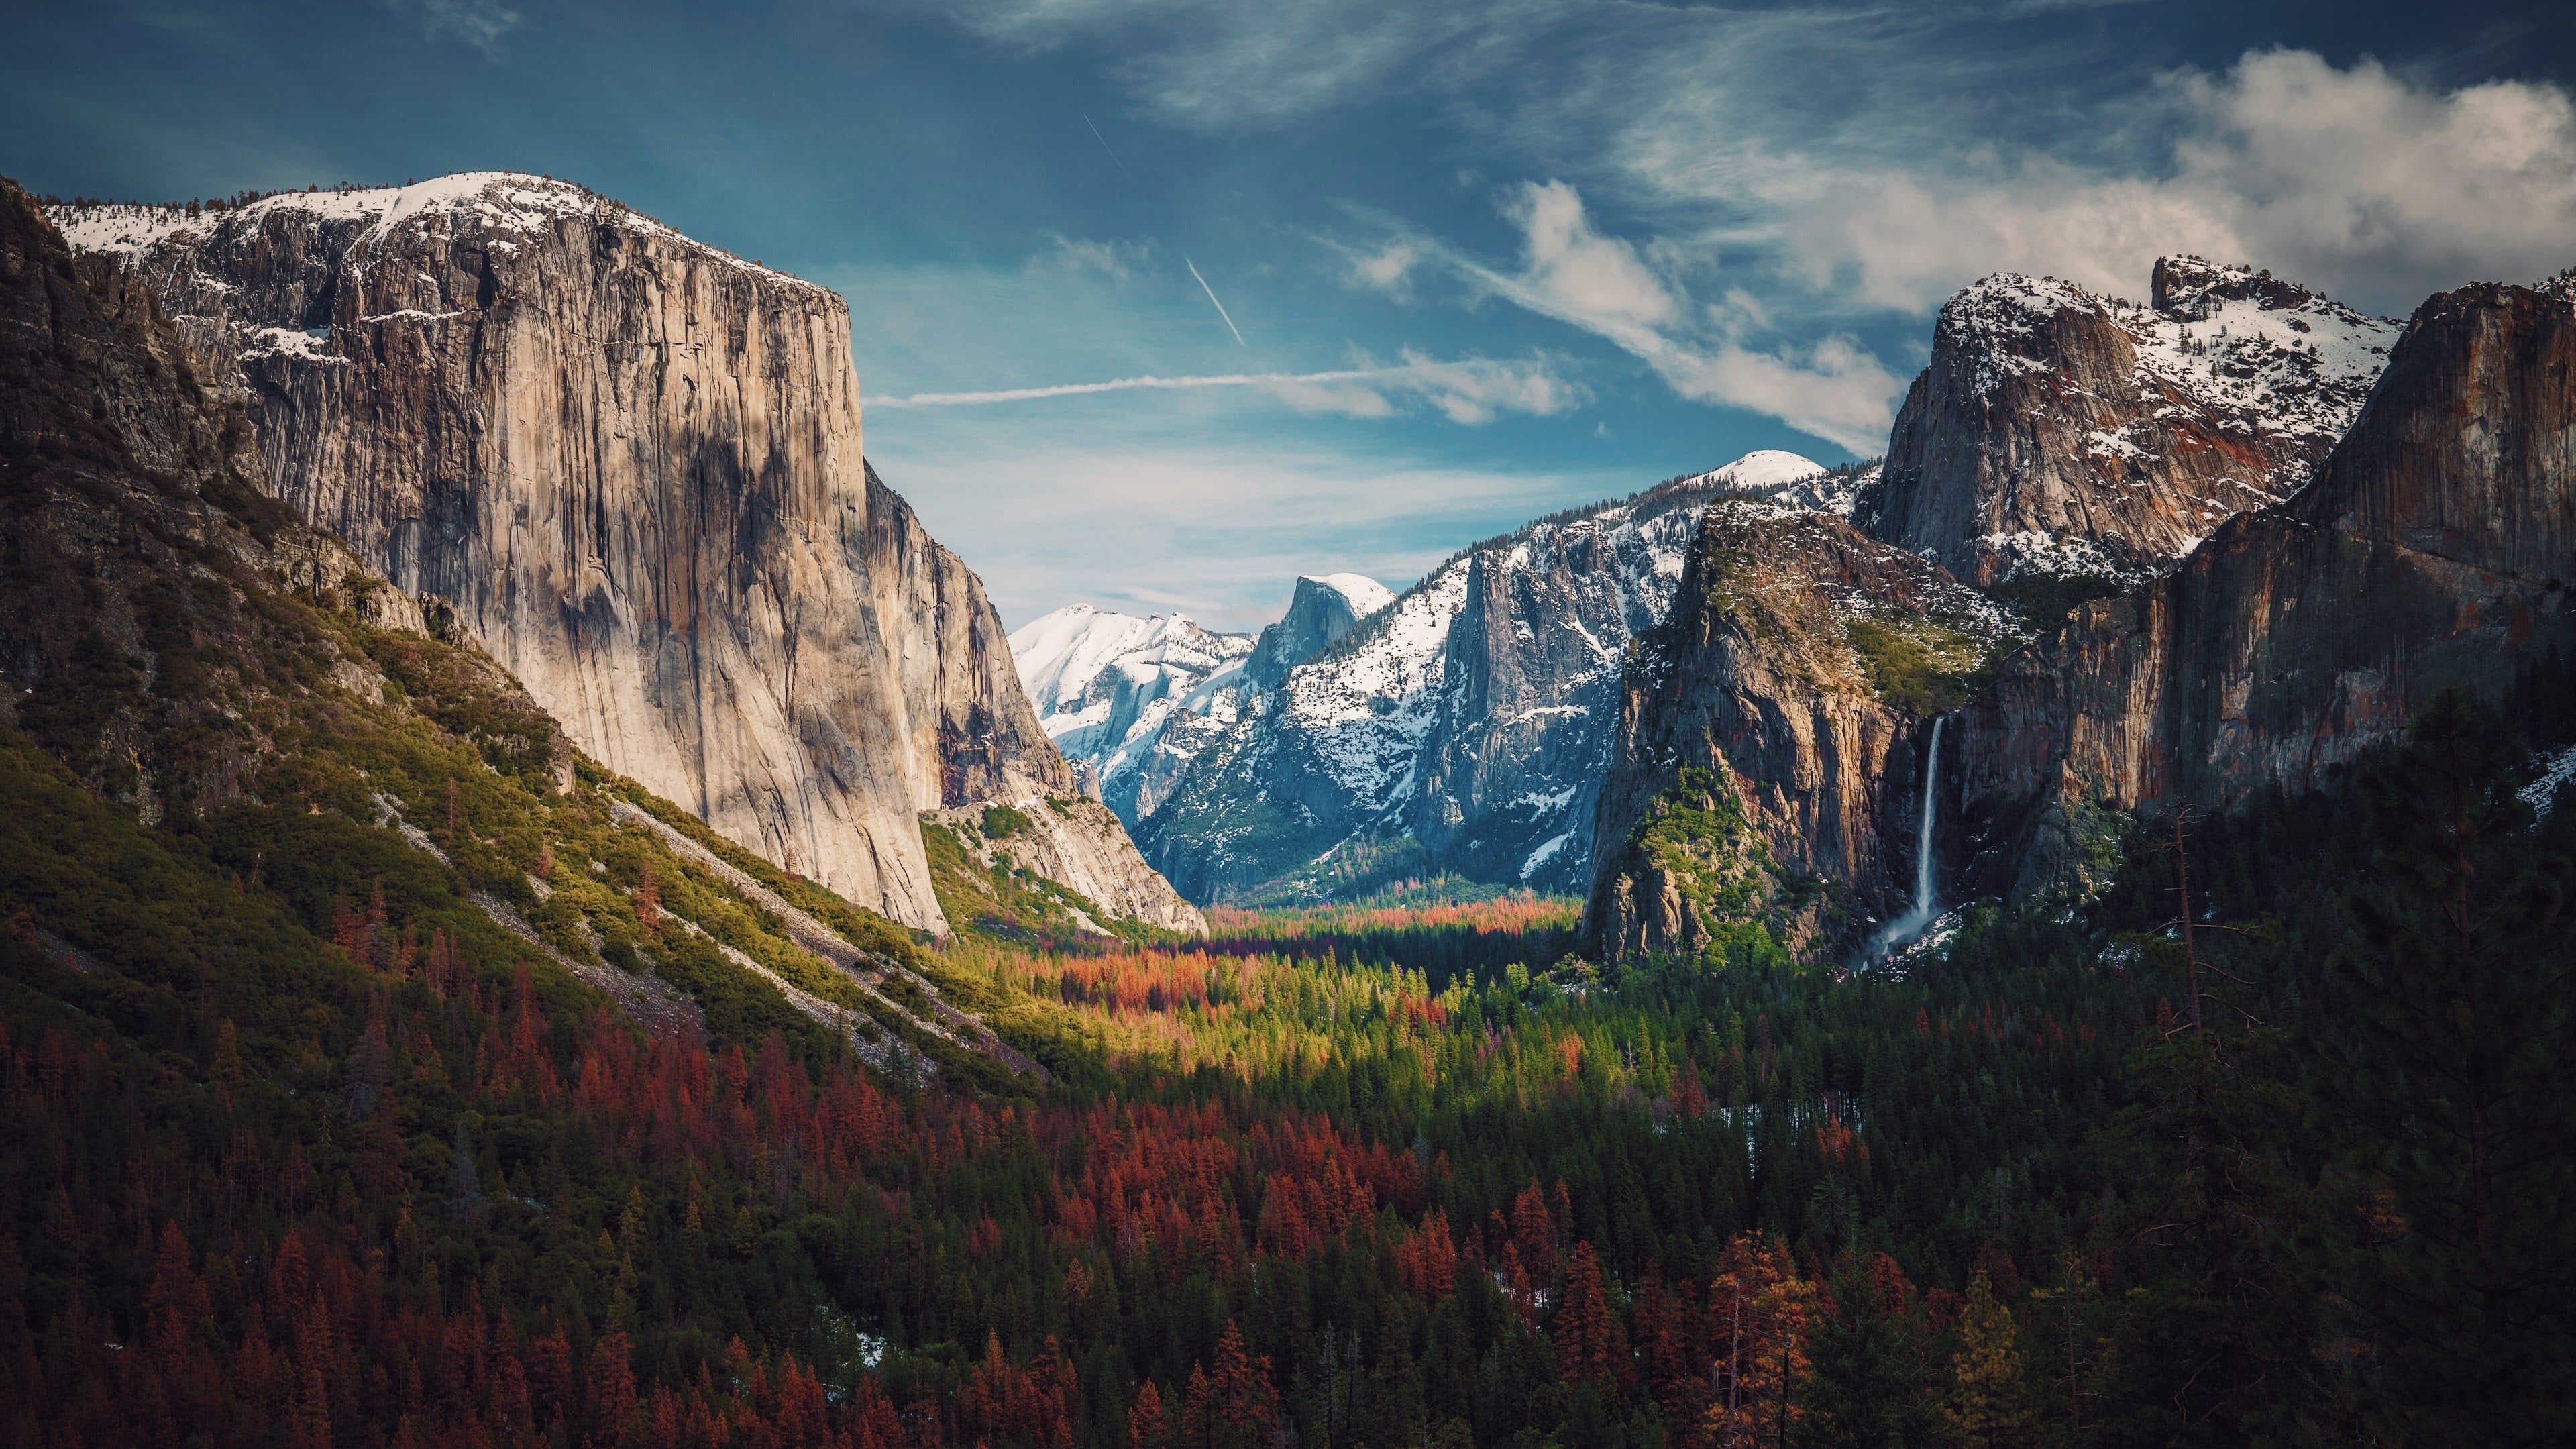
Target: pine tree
1988,1405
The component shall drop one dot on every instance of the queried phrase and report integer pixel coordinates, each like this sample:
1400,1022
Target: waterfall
1906,927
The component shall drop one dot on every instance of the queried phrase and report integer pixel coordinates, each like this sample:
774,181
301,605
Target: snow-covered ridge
508,202
2257,353
1759,471
1105,684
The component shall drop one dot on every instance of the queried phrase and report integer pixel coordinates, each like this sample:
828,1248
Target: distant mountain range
1459,729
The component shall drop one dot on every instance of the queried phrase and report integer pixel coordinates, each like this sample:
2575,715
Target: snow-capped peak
1364,594
1104,684
1063,654
1759,471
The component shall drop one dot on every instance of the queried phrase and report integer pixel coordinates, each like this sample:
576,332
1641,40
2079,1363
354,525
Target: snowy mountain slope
1461,728
1105,684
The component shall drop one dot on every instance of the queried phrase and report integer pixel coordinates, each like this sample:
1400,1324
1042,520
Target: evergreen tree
1866,1382
2445,1070
1988,1406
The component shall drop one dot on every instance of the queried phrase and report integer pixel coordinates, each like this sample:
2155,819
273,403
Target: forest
2267,1143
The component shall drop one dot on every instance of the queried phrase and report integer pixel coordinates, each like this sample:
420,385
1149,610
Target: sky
1158,305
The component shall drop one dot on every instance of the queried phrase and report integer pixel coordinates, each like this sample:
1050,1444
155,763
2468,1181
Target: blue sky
1480,259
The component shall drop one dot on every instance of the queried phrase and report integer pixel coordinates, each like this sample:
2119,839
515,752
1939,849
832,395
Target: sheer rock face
2437,546
2060,433
1755,684
1320,612
632,464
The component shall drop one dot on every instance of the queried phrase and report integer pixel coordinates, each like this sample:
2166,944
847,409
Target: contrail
1220,306
1129,384
1104,145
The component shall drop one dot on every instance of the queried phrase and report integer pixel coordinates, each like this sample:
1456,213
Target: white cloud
1474,389
1387,268
2355,180
1831,388
1578,270
1116,260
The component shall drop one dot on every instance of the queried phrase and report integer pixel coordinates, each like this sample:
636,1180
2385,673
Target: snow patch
2555,771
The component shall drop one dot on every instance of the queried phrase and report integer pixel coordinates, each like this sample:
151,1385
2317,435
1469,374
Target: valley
545,909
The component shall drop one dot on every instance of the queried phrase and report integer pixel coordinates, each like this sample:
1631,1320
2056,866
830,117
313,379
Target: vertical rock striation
631,464
2436,546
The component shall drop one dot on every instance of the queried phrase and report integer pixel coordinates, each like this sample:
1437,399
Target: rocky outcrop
2059,439
1768,758
139,639
1077,843
631,464
1320,611
2436,546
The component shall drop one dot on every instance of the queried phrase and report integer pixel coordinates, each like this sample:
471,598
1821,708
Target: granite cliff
630,464
1772,736
2292,523
2070,444
2436,546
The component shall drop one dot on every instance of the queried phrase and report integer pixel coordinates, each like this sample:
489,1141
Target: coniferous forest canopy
659,974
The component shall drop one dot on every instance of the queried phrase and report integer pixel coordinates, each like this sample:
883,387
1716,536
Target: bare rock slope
631,464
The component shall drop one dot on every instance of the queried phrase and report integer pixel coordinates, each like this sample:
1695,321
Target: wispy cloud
1831,388
479,23
1469,390
1116,260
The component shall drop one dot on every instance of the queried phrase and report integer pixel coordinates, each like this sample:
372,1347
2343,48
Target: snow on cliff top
2256,351
1365,595
510,201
